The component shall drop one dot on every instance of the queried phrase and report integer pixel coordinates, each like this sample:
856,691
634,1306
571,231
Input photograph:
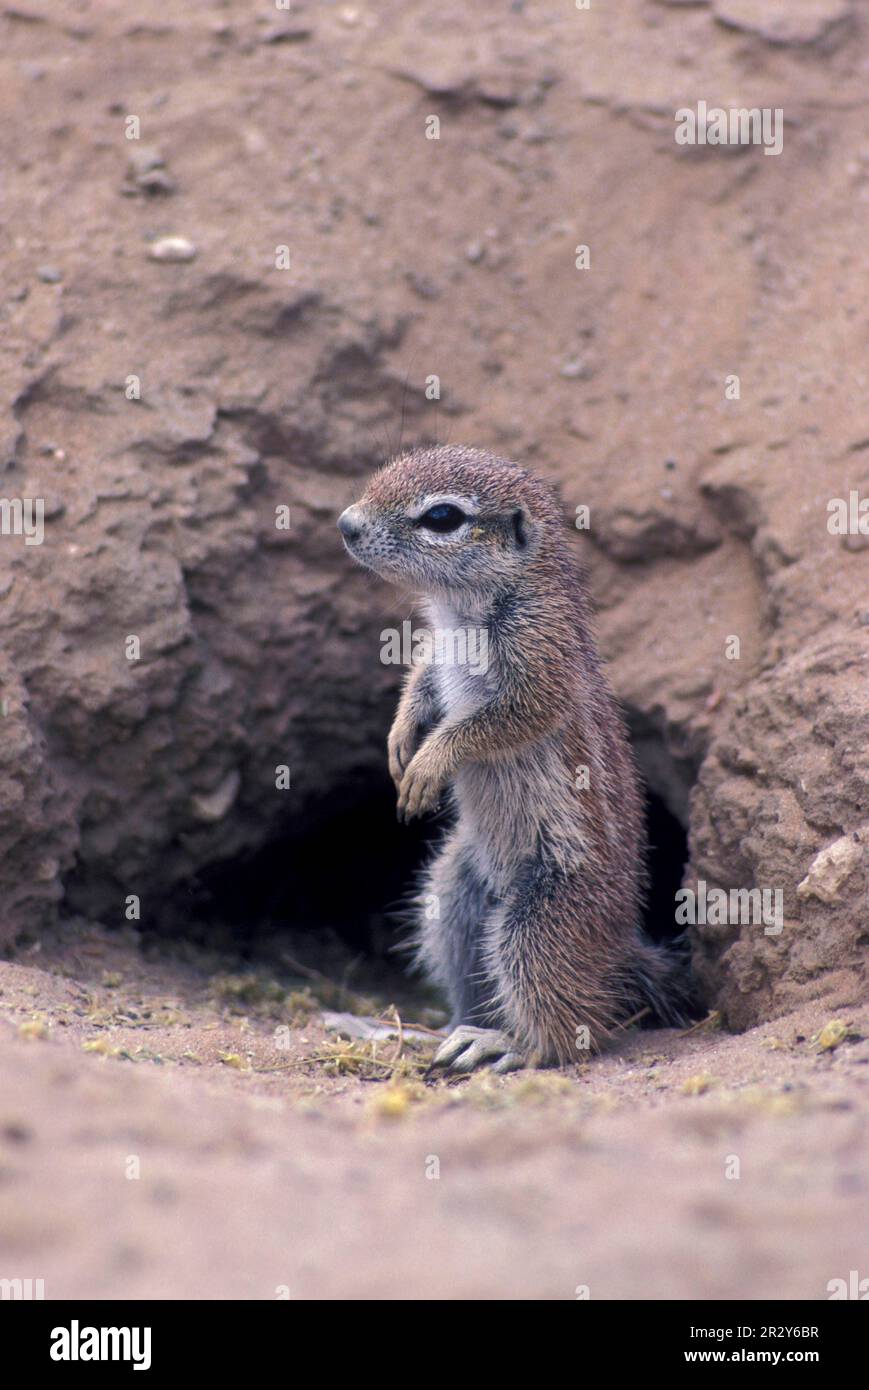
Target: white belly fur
504,803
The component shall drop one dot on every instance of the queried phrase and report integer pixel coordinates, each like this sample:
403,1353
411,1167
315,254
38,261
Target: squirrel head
450,520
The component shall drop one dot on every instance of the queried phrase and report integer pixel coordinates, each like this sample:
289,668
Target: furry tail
661,980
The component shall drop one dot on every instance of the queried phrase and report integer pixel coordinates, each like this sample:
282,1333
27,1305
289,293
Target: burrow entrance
344,880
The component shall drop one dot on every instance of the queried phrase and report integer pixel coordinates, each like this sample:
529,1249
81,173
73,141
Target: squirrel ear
524,529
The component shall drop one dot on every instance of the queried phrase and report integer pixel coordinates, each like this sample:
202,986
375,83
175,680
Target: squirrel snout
350,523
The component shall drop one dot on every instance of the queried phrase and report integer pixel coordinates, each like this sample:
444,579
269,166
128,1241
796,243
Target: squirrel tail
662,981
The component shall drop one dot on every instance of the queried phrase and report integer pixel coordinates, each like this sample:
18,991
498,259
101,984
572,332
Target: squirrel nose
350,524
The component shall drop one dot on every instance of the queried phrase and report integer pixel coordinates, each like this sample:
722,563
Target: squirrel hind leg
453,905
558,984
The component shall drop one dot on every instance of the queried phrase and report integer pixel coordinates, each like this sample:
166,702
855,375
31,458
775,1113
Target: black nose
348,525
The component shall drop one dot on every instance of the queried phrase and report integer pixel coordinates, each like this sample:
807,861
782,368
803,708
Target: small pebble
49,274
143,159
147,173
575,367
172,248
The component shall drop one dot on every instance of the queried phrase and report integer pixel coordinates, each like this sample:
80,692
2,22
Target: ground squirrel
528,915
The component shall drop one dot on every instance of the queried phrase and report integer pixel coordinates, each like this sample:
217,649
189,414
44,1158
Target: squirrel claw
468,1047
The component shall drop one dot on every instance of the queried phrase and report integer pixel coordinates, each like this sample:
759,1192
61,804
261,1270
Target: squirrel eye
443,516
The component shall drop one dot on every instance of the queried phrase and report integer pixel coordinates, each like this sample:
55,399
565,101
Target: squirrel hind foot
467,1048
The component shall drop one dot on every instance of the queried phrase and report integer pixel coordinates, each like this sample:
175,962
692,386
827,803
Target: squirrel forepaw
421,785
401,746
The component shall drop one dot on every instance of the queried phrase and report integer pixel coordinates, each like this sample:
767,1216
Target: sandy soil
169,1131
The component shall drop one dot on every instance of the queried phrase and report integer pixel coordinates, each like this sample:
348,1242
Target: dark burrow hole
334,891
344,877
668,855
